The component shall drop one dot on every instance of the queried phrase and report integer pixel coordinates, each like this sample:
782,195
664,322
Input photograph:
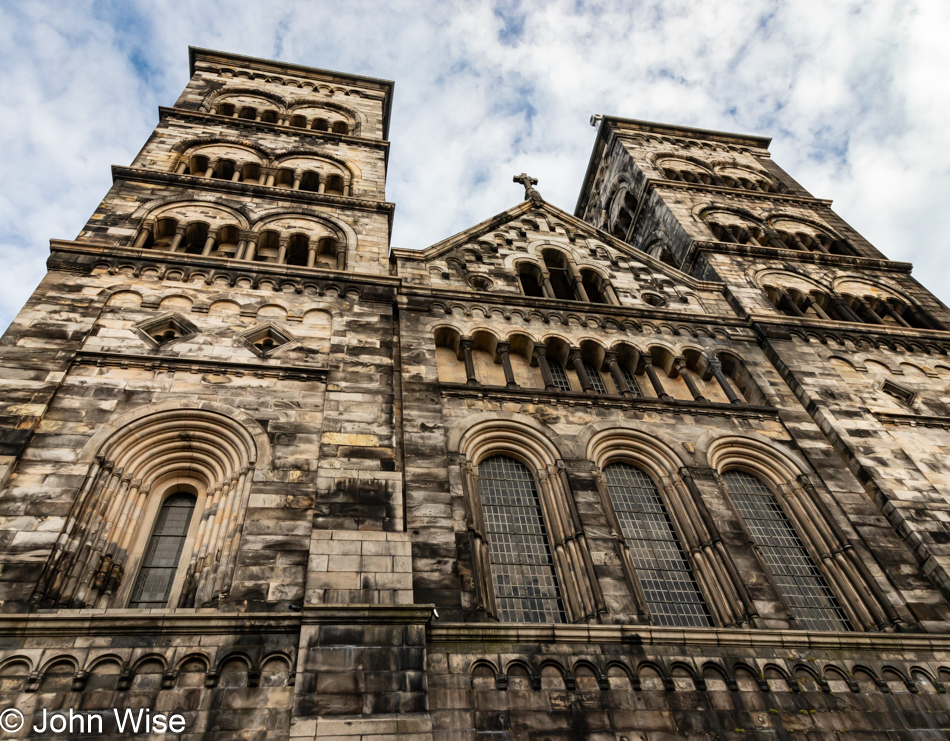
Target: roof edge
673,130
195,52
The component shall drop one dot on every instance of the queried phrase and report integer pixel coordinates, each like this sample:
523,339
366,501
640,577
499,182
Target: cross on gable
527,181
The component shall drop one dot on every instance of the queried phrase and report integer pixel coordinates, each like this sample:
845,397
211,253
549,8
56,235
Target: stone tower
667,467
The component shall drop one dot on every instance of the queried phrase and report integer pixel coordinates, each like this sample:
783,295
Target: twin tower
673,465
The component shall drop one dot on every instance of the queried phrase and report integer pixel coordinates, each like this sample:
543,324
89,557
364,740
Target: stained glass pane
160,562
664,573
796,576
526,589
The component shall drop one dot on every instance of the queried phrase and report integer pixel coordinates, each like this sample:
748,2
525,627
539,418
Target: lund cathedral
671,466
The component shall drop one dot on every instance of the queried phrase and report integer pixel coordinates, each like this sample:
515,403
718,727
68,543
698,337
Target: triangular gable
575,228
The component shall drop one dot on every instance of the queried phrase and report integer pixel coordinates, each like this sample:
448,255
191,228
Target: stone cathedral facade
673,466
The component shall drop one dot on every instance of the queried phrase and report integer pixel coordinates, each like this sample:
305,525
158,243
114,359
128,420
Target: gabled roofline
278,67
433,251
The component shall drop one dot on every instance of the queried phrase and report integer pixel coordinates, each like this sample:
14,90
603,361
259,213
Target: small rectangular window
559,376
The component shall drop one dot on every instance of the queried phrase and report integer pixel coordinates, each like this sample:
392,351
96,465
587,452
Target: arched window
299,122
559,272
664,573
310,182
530,278
559,375
297,250
269,116
522,566
810,600
196,235
321,124
284,178
340,127
335,185
160,563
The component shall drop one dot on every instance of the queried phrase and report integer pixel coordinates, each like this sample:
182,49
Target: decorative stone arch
183,146
660,457
241,211
211,100
802,496
354,170
356,117
153,449
533,444
349,234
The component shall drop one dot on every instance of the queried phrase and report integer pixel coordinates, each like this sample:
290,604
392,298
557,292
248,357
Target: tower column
504,350
648,368
721,379
619,381
144,233
466,345
578,362
541,354
176,240
680,365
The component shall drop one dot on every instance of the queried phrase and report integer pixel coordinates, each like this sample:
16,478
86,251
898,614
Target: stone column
251,249
680,365
176,240
182,166
866,307
268,177
321,184
811,303
298,175
341,258
578,363
619,381
546,286
503,351
889,311
210,171
236,177
716,368
239,252
282,250
841,312
311,255
786,301
648,368
541,354
466,345
578,286
142,237
209,244
611,294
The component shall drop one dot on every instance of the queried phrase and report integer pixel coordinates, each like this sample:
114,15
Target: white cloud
854,96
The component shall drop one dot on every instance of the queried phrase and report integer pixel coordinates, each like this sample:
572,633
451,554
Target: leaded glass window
160,563
667,580
630,380
596,380
559,375
526,588
796,576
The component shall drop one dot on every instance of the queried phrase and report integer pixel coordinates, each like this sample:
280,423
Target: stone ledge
577,398
200,365
648,635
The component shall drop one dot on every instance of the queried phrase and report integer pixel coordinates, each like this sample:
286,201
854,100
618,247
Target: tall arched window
559,375
523,577
667,580
160,563
796,577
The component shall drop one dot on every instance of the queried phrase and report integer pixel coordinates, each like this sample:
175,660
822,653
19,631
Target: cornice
730,638
625,127
326,136
912,420
425,297
256,271
752,194
575,398
92,622
850,330
818,258
199,365
192,182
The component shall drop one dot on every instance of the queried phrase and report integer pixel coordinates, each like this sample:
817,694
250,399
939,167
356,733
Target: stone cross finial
527,181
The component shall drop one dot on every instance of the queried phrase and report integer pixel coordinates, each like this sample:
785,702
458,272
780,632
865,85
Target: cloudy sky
854,95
